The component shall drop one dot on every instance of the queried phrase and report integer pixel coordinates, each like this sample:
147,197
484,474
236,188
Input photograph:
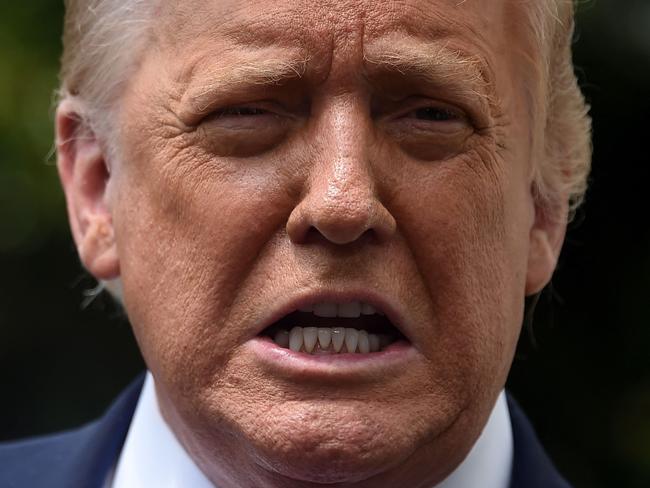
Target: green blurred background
585,383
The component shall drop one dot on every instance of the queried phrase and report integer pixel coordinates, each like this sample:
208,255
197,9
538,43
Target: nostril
314,236
343,230
341,222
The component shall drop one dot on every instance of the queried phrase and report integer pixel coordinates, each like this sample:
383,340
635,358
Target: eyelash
241,111
434,114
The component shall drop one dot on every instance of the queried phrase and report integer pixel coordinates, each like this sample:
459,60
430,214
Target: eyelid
450,116
223,112
220,116
264,106
418,104
270,108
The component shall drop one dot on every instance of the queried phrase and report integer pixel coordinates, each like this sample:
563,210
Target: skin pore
273,150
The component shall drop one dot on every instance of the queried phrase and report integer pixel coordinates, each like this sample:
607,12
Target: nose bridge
343,173
341,202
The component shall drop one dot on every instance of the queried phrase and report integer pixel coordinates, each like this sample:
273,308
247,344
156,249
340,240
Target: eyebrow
465,76
259,68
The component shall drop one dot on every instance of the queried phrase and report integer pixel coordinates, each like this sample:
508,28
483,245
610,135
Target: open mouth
335,328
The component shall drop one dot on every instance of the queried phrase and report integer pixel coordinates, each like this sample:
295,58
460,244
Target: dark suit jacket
83,457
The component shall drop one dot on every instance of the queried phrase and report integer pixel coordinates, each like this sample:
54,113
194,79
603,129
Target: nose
340,202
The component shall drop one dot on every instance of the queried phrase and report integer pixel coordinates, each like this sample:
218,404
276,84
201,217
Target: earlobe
545,243
97,249
85,178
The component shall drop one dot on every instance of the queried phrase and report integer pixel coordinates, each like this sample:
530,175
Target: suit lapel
532,468
77,459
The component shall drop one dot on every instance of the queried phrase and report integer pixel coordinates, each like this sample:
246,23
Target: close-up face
364,168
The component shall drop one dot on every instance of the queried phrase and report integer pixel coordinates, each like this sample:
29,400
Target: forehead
331,25
479,49
325,17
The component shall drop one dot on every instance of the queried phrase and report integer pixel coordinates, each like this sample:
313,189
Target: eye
241,112
426,129
433,114
257,116
244,130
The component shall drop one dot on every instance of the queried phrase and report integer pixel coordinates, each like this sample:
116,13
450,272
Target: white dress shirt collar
152,456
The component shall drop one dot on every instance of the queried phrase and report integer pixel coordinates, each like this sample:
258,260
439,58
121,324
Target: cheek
466,243
187,251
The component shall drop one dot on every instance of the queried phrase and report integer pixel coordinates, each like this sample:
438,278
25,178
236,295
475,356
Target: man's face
278,155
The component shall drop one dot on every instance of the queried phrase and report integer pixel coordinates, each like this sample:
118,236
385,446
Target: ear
85,177
546,238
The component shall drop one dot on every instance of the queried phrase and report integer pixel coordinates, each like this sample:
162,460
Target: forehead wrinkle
244,69
467,75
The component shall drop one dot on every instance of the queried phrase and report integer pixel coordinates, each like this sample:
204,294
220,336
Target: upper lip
376,299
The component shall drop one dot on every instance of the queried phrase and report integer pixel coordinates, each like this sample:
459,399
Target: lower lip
396,355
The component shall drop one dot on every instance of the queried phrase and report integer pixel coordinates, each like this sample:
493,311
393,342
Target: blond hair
563,173
103,40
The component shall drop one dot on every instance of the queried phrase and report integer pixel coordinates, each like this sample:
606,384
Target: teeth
324,337
373,340
295,339
364,343
325,309
322,340
282,338
351,339
384,340
310,335
338,336
346,310
349,310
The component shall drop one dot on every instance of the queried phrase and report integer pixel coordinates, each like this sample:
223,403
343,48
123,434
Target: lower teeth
331,340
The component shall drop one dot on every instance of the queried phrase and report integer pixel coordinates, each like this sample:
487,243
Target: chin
346,454
336,442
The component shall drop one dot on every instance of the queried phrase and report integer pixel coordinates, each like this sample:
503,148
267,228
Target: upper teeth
346,310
